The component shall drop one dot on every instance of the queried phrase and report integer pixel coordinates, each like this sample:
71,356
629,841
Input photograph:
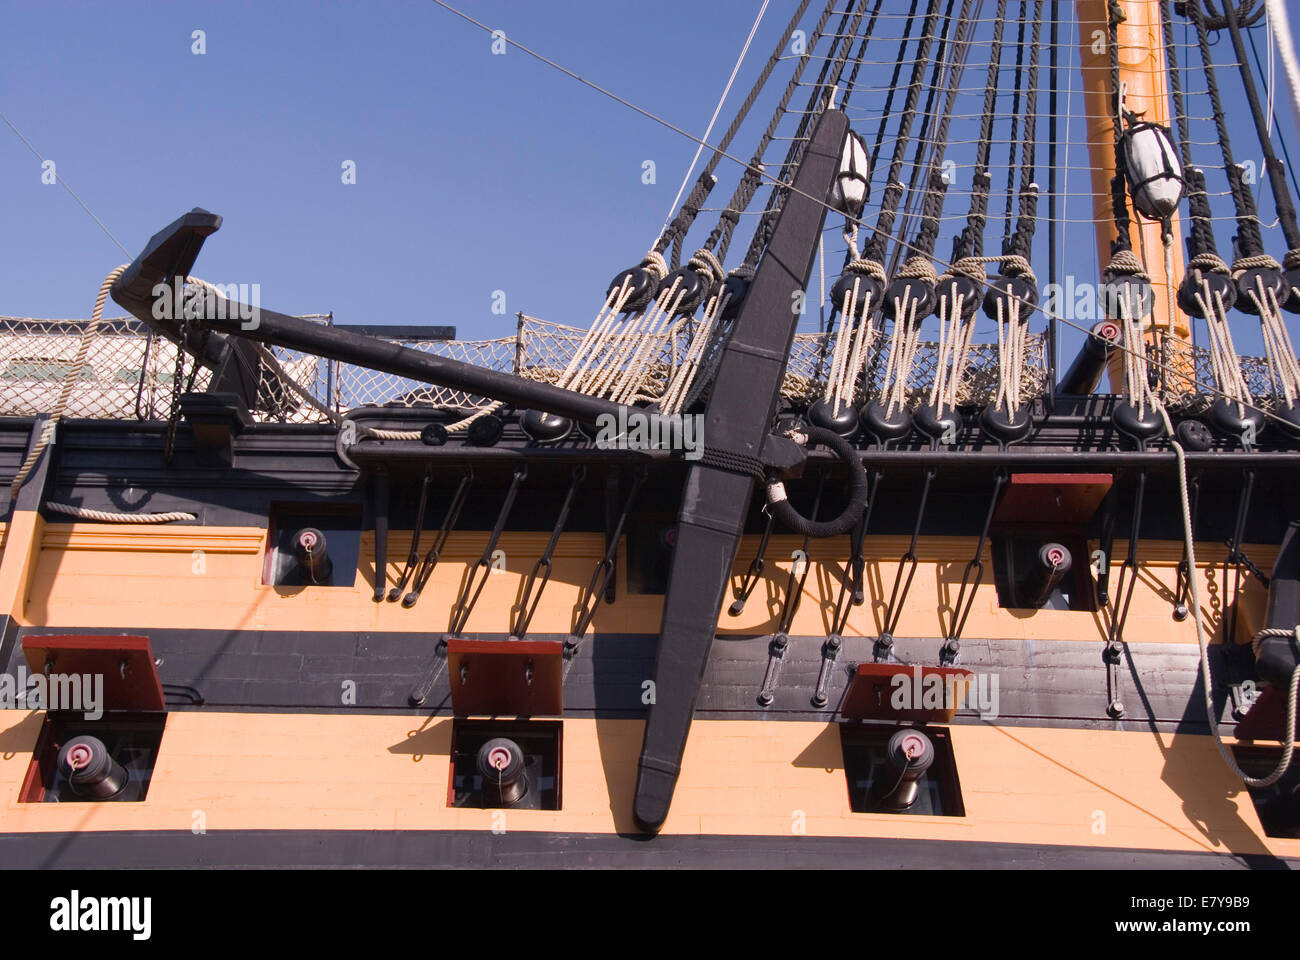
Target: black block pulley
433,434
870,290
691,290
883,425
486,431
543,427
642,287
822,413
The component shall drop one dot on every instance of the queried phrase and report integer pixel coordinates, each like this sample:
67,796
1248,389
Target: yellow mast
1143,70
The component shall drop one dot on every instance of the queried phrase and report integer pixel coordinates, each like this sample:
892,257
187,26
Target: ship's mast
1144,74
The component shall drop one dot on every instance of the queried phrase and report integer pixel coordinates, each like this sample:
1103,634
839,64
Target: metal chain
178,376
1239,557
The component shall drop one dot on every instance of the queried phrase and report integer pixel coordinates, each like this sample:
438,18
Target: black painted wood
715,501
139,849
1040,684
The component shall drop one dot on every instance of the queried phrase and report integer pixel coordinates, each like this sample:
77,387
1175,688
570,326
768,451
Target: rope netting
1182,362
810,360
128,375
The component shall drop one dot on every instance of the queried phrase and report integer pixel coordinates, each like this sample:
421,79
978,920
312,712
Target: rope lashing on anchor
779,505
56,414
277,369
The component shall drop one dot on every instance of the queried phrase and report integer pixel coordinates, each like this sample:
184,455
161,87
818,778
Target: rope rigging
656,303
1255,283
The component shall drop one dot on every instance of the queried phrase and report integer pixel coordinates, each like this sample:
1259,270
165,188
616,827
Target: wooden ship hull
310,664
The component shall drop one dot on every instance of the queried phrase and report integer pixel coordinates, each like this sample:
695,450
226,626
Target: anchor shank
716,498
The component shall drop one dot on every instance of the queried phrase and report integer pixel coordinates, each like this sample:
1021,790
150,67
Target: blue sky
474,172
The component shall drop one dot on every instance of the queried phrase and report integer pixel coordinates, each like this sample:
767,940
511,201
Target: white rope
638,365
69,382
455,427
955,336
614,303
676,393
839,352
1284,369
1012,338
1136,381
902,353
1206,680
1224,360
104,516
857,358
1281,25
1277,343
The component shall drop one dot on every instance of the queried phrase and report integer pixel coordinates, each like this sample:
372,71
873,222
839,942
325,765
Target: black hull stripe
462,848
1044,684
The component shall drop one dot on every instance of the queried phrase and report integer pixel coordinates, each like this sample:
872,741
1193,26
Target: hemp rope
104,516
69,381
1224,360
1195,603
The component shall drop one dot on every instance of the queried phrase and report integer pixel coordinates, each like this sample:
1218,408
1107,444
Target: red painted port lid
1052,498
126,664
1266,718
898,691
522,678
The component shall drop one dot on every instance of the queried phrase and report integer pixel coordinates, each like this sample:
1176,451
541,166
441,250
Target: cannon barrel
1084,374
171,253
